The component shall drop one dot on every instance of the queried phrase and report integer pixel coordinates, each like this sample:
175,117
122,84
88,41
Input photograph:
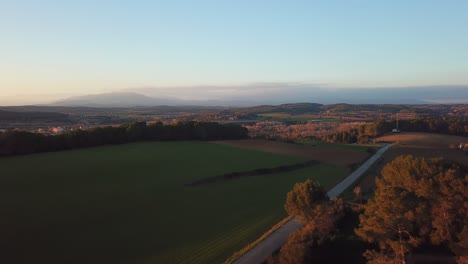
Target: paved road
273,242
343,185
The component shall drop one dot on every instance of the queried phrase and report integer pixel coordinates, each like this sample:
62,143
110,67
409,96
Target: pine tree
417,200
304,199
319,214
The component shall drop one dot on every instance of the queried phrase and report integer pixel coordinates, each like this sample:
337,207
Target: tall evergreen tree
417,200
311,204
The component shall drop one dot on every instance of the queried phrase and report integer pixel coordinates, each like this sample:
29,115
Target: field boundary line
254,172
250,246
272,242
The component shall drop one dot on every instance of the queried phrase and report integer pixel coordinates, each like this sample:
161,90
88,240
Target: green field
127,203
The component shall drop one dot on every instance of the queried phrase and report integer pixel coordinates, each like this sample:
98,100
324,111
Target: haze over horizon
224,50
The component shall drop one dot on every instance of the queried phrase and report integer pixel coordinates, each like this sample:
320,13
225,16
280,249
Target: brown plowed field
425,145
420,145
424,140
338,156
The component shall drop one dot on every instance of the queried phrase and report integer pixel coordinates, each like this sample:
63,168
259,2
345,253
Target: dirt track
338,156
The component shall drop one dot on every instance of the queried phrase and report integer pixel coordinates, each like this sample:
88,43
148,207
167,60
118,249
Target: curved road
273,242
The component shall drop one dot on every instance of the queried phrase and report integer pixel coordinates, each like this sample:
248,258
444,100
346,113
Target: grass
252,245
127,203
349,194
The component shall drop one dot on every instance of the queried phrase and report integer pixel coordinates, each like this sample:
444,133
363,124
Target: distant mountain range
116,100
410,95
128,99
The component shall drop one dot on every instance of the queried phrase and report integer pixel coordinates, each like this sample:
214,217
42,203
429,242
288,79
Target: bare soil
424,140
338,156
420,145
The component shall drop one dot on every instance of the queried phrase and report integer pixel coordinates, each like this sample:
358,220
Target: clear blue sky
61,47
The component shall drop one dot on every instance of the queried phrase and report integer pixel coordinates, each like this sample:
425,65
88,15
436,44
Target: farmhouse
56,130
463,146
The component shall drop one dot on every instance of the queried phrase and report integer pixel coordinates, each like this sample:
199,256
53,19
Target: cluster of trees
310,203
21,142
354,132
307,131
418,202
362,133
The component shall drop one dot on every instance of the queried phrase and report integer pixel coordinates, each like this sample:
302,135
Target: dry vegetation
280,130
424,140
425,145
420,145
250,246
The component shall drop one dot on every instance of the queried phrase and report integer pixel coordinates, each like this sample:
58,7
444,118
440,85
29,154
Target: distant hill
116,100
10,116
307,108
297,108
276,96
284,93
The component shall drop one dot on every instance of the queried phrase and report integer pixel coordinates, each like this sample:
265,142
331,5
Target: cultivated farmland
128,203
339,154
425,145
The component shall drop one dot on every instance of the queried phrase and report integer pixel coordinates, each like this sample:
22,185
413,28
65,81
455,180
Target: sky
54,49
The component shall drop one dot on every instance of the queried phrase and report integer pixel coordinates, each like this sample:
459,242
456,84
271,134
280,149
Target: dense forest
363,133
21,142
10,116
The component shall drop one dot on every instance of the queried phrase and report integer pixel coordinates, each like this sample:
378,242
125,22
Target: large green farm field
128,203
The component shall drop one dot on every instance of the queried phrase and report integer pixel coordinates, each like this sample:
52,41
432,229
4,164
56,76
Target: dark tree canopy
417,201
451,126
304,198
20,142
309,201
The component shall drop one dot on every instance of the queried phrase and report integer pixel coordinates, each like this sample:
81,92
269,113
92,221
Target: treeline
363,133
294,109
21,142
10,116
